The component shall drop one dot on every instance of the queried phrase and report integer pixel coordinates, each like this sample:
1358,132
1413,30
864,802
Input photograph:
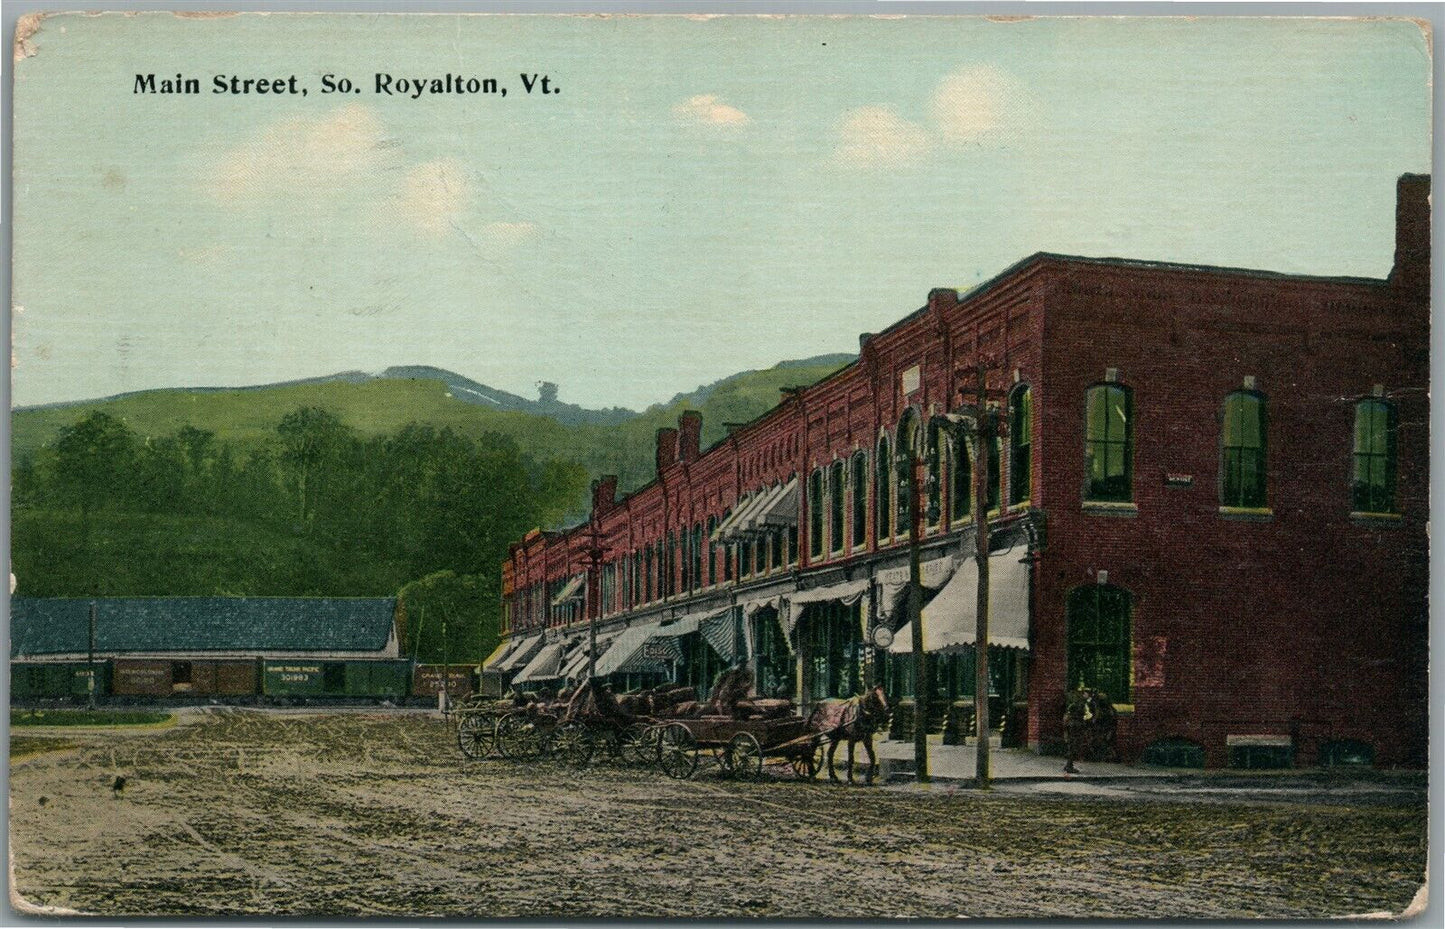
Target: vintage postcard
504,466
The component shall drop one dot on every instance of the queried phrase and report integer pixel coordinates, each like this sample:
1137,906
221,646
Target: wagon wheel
744,757
517,737
677,751
477,735
810,762
573,744
633,745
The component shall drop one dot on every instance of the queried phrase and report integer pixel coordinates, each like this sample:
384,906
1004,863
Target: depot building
1210,502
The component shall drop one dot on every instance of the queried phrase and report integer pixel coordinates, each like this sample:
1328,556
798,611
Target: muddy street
369,814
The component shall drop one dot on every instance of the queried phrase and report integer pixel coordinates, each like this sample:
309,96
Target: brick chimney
942,298
604,494
689,435
1412,235
666,449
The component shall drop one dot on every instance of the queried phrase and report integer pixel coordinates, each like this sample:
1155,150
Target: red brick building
1211,503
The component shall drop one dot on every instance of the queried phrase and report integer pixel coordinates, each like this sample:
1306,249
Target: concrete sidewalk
955,763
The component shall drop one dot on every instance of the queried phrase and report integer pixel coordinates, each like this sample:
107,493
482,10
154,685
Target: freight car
290,680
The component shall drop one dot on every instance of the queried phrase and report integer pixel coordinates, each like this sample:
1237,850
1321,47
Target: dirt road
356,814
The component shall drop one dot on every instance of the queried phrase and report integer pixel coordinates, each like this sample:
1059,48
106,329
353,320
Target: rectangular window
837,495
775,548
1244,482
815,514
1107,446
1375,457
860,500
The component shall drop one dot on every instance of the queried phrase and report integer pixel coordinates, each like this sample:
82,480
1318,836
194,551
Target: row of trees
369,514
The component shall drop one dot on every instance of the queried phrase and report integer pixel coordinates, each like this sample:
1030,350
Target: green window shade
836,493
1244,451
935,475
860,500
1375,460
1108,439
883,527
815,514
1099,640
1021,430
961,482
995,464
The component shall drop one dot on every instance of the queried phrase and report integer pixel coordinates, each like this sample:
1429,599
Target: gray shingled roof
46,626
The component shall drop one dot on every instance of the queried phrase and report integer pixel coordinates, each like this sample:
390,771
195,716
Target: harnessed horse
855,720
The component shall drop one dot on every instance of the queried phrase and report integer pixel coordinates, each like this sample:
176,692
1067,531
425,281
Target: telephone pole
980,423
595,551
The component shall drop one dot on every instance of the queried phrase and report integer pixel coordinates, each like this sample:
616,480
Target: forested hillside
373,487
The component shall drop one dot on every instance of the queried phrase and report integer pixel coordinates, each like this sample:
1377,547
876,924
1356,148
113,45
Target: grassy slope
381,406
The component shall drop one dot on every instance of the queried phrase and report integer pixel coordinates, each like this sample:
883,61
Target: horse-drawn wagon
740,747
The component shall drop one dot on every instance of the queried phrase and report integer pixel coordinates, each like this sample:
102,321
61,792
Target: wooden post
922,686
983,448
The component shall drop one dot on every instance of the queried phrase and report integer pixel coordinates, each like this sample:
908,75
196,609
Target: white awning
571,590
783,509
846,593
934,573
749,607
752,520
734,525
544,667
950,621
625,646
520,655
499,653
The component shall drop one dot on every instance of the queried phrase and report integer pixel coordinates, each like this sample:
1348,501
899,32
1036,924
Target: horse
853,721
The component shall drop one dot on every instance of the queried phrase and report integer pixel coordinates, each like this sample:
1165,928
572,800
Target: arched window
669,580
1375,463
1245,430
1099,637
837,493
1109,444
936,437
995,468
883,491
815,514
1021,431
860,500
960,483
711,551
696,556
908,429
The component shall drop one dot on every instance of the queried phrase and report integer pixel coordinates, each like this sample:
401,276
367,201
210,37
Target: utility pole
922,686
446,668
596,551
980,423
985,432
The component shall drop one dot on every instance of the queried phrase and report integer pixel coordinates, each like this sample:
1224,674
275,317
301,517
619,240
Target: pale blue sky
704,196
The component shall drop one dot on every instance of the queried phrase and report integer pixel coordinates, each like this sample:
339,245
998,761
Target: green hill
379,406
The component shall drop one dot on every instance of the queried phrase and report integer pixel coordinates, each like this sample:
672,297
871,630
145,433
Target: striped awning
720,631
576,666
950,621
782,509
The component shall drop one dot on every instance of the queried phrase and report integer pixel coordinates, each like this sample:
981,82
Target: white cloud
875,136
433,196
709,110
302,156
981,104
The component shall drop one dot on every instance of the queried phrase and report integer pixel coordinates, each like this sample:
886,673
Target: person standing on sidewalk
1078,714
